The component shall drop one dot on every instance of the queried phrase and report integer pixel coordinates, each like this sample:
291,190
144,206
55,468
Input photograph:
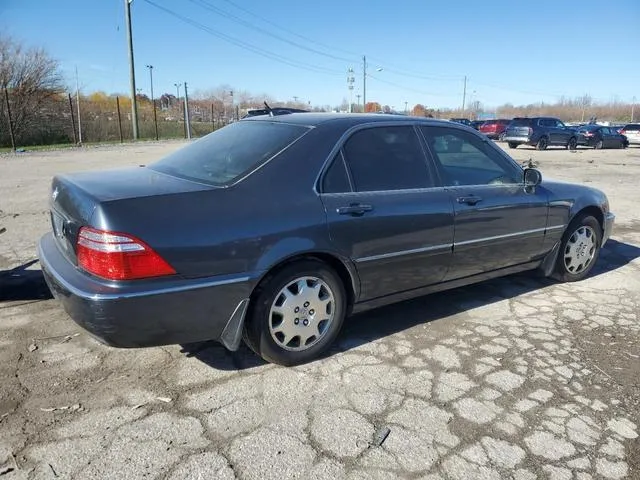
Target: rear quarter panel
269,216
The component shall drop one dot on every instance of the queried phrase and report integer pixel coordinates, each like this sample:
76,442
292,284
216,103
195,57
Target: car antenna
269,109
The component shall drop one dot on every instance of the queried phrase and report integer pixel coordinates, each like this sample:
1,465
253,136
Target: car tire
580,243
501,137
261,330
542,144
599,145
513,145
572,144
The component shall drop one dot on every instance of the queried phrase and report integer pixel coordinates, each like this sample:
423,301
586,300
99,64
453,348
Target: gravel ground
518,377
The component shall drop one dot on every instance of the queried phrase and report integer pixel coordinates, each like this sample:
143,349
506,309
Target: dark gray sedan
273,229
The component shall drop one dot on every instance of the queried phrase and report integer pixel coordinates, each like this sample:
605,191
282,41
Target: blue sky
518,52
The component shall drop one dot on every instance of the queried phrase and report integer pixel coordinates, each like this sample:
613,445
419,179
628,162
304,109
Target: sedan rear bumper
520,140
145,313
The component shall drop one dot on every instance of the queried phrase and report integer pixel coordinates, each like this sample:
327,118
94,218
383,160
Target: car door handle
469,200
355,209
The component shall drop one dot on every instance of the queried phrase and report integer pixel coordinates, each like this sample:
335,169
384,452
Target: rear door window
386,158
228,154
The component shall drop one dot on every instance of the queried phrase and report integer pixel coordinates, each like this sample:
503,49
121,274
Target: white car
632,132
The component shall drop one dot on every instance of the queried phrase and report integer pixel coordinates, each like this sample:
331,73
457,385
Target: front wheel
599,145
296,313
513,145
573,143
579,249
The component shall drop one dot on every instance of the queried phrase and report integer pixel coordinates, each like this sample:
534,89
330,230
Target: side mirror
532,177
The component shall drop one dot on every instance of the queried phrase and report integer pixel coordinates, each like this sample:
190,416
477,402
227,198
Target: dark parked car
540,132
463,121
275,111
598,136
273,229
476,124
495,129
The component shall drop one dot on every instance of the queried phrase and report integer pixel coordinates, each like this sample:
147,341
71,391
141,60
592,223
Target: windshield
520,122
228,154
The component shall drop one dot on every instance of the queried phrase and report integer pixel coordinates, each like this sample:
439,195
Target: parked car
476,124
275,111
632,132
273,229
598,136
463,121
540,132
495,129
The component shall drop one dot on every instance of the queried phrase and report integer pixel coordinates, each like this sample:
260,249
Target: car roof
315,119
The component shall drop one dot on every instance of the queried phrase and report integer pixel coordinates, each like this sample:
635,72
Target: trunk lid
74,198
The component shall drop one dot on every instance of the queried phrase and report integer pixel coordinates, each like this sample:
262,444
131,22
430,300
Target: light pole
405,108
178,85
358,97
633,107
153,102
132,70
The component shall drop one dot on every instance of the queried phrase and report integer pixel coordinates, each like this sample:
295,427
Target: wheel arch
345,271
592,210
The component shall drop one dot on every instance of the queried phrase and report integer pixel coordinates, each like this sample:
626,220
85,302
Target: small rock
33,347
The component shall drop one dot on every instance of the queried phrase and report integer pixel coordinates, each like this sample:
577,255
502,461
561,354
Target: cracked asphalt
519,377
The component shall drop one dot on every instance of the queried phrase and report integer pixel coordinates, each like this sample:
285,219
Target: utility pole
405,108
178,85
155,117
358,97
119,119
186,112
633,107
464,93
295,99
350,81
132,70
364,83
78,106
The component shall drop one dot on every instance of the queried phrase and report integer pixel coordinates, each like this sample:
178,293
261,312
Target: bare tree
33,81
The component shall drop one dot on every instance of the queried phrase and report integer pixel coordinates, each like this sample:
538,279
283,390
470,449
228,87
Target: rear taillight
588,134
622,132
118,256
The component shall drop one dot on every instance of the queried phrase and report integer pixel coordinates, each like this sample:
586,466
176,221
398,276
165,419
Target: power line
290,32
208,6
403,87
245,45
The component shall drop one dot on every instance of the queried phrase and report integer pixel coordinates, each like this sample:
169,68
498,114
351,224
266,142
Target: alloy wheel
580,250
301,313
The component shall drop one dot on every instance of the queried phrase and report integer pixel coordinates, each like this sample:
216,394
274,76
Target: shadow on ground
20,283
376,324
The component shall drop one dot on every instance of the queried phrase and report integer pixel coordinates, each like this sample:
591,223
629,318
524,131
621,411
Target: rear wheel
296,313
573,143
599,145
542,144
513,145
579,249
501,137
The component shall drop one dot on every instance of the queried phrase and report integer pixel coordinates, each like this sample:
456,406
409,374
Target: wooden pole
119,119
73,121
13,139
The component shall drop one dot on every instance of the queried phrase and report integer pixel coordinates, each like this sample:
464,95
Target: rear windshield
588,128
227,154
632,126
520,122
